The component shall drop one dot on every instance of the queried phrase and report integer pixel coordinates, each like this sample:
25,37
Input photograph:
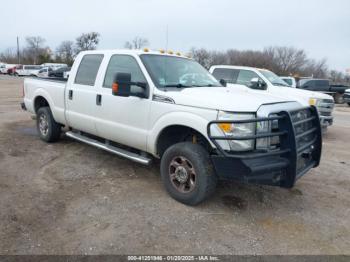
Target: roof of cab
135,52
238,67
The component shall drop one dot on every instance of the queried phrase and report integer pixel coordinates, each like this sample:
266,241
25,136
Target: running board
112,149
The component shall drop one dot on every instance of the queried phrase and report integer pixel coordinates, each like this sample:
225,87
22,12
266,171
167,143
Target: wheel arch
178,127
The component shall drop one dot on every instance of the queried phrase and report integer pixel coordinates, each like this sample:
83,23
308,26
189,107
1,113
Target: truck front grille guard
300,137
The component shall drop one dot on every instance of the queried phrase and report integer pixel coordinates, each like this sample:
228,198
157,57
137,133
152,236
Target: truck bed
50,89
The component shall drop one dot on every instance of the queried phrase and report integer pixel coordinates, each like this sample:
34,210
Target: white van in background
28,70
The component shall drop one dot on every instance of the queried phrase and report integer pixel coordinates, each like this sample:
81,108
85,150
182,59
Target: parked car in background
347,96
66,74
128,103
289,80
324,86
44,72
54,66
59,72
2,68
12,70
262,80
6,67
28,70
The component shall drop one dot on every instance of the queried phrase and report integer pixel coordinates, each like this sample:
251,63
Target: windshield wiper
208,85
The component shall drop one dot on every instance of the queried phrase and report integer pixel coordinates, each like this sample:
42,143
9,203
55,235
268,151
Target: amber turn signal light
115,88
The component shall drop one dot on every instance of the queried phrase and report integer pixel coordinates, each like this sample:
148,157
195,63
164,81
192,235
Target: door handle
98,99
70,95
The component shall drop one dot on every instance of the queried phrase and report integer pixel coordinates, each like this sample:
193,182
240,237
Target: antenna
167,38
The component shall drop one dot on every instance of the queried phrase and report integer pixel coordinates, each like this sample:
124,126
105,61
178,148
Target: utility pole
18,59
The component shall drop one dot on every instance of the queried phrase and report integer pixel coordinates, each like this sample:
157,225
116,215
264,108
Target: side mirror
121,84
223,82
257,83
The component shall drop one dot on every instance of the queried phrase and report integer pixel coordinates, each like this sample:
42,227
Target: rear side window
229,75
321,83
88,69
124,64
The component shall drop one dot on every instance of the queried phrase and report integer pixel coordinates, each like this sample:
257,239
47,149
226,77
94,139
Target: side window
229,75
245,76
308,84
88,69
124,64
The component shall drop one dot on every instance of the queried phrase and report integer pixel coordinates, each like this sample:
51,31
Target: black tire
205,177
349,104
338,98
52,130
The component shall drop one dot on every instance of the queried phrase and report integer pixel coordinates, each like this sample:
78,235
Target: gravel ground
70,198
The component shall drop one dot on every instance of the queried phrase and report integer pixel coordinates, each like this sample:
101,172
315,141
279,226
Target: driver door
123,119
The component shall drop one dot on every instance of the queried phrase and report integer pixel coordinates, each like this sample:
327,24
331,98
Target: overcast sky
321,27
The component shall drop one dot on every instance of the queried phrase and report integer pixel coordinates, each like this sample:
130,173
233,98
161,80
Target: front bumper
325,109
279,167
346,97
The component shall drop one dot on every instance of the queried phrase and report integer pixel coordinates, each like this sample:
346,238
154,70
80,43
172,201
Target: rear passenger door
227,74
80,95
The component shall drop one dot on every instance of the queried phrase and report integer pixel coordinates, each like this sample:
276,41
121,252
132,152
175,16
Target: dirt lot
70,198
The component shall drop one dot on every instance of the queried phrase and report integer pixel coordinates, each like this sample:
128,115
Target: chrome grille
325,107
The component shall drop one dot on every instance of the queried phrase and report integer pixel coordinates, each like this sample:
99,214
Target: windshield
273,78
171,71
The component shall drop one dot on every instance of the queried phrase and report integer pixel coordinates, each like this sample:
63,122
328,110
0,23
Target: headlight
238,130
314,101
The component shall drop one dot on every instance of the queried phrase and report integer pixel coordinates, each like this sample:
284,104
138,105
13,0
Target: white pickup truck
262,81
146,104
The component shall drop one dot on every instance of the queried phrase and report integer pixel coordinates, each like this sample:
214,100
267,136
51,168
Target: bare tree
35,48
65,52
202,56
9,56
87,41
286,60
136,43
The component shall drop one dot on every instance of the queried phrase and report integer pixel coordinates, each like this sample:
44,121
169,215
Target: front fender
176,118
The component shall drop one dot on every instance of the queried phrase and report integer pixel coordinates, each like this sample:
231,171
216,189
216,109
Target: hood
223,98
298,93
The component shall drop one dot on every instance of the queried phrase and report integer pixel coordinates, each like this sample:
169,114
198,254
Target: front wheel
187,173
338,98
49,130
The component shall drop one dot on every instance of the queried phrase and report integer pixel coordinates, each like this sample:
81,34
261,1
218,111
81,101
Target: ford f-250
146,104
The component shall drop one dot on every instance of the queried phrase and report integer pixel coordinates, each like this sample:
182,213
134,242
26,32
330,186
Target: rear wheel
187,173
349,104
49,130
